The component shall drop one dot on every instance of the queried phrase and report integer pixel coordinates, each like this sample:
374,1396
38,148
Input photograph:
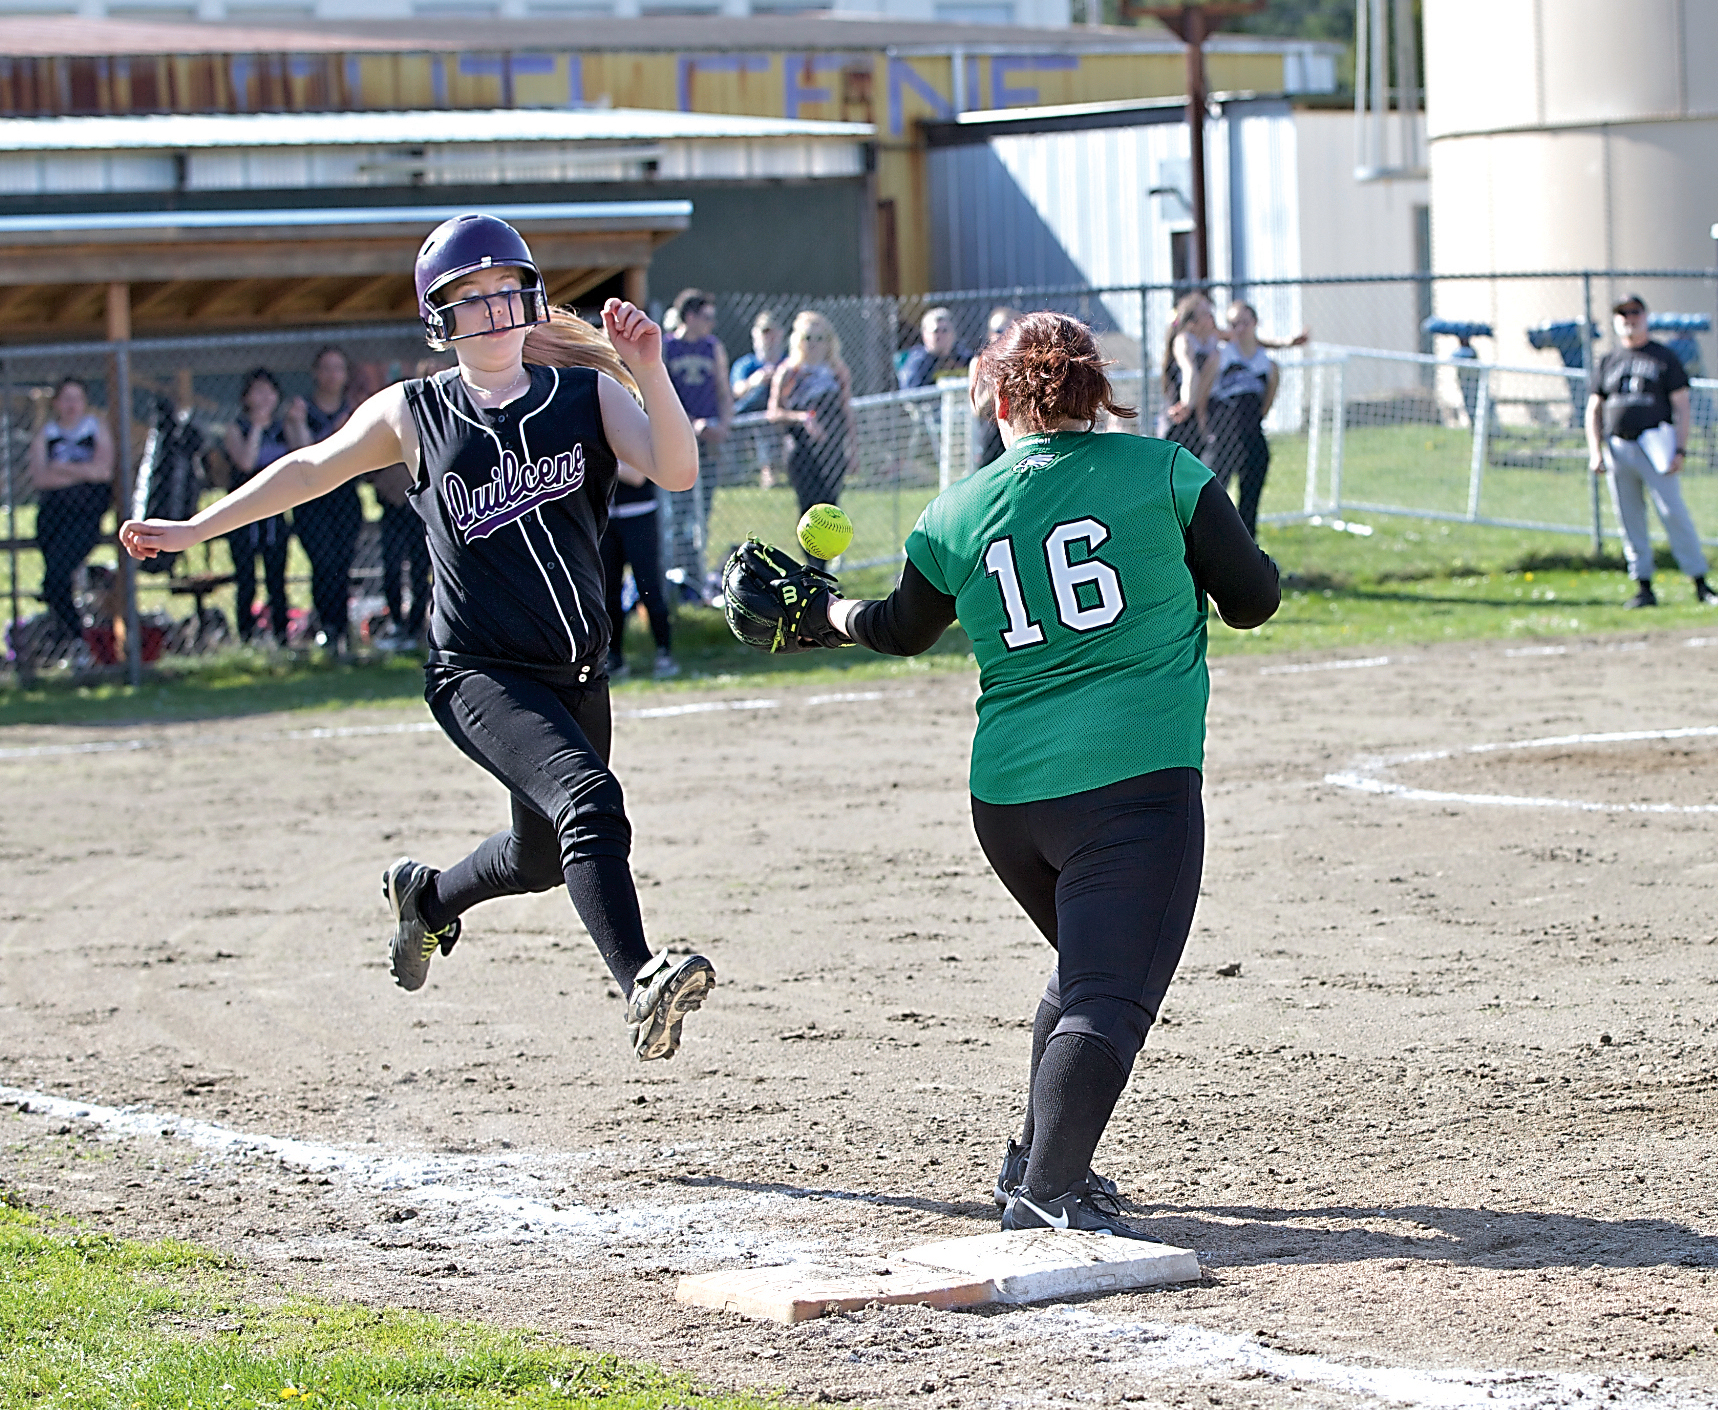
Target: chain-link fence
1437,397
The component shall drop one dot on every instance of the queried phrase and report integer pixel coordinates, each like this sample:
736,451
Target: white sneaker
666,666
664,992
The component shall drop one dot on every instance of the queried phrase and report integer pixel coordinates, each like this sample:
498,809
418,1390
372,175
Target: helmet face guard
460,247
503,312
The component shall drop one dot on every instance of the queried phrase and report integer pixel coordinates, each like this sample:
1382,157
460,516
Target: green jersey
1067,561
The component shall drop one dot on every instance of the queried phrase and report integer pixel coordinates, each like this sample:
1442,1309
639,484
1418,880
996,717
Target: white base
1037,1265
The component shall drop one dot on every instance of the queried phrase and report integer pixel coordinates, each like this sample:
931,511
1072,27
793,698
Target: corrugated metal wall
1075,208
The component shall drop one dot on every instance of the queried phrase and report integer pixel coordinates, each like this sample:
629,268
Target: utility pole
1193,24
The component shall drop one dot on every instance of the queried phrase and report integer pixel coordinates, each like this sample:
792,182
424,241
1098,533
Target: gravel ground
1444,1138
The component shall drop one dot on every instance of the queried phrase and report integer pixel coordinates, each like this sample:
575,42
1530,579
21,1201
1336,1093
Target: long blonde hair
566,340
806,323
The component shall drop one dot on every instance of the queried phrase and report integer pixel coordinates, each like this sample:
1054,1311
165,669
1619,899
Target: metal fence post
1339,425
127,474
1481,438
1586,392
1314,424
23,665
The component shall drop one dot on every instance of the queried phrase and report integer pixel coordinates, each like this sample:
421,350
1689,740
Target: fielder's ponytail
566,340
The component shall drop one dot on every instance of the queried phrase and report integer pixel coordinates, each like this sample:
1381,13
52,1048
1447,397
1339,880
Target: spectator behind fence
254,441
698,367
812,396
938,354
632,537
1189,369
71,468
987,441
404,544
754,372
1241,398
1637,428
327,526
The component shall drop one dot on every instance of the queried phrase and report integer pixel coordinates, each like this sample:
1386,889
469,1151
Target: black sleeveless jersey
515,501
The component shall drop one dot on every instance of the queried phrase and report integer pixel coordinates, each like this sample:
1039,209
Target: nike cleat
414,942
1089,1210
1013,1176
664,992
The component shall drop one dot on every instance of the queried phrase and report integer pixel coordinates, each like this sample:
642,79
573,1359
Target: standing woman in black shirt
328,525
514,456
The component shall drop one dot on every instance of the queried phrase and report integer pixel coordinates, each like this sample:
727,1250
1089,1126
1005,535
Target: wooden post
637,284
1195,37
119,409
1193,24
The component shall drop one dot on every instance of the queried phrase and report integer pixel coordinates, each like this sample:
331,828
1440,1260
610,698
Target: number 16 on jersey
1066,579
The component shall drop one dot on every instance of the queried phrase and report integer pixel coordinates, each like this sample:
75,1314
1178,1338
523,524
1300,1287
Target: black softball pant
267,537
548,743
328,528
68,526
1239,451
1111,877
634,540
405,547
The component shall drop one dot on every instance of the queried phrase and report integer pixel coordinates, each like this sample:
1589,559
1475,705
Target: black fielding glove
775,603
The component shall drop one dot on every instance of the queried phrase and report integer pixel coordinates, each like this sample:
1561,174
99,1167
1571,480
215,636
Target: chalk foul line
1364,779
205,741
716,1229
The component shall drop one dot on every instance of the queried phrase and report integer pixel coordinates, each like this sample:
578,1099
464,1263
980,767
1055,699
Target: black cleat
1644,597
1703,593
414,942
1083,1209
1013,1176
663,993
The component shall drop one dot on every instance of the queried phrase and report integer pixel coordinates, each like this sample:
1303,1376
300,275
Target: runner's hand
635,336
144,538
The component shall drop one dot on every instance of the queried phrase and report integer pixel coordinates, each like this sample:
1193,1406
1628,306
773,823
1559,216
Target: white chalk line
205,741
1347,663
717,1229
1365,780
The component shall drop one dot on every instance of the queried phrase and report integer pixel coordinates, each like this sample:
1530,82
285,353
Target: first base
798,1292
1037,1265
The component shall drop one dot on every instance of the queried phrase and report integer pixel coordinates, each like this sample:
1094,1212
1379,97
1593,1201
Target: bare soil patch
1448,1136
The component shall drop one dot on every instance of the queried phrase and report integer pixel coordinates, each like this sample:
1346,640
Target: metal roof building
248,219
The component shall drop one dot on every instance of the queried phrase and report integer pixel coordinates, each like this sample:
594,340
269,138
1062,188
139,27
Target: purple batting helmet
459,247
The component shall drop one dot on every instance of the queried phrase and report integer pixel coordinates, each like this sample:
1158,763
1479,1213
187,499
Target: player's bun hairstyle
1048,368
566,340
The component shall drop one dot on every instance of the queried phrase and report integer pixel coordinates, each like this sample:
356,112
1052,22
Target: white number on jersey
999,563
1066,578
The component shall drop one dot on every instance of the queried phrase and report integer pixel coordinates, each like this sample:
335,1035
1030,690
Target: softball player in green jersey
1080,565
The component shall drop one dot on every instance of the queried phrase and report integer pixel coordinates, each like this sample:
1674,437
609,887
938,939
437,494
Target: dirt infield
1447,1137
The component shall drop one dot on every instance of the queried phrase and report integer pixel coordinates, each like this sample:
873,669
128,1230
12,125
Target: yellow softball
825,531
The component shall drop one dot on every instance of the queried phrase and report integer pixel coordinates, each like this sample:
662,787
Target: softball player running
513,454
1080,565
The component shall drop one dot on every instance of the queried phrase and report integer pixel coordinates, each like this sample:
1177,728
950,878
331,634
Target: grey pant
1634,479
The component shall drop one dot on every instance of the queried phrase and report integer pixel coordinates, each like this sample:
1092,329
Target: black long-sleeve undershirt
1227,566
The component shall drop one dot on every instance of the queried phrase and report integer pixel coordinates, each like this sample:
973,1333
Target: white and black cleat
1013,1175
414,942
667,989
1085,1209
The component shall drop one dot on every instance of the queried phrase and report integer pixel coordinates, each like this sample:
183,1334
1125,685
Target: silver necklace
483,394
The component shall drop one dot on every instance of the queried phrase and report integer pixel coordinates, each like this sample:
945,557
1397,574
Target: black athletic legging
1111,877
634,540
548,742
1239,451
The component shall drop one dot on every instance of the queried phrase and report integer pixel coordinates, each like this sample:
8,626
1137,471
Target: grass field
1408,582
88,1320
